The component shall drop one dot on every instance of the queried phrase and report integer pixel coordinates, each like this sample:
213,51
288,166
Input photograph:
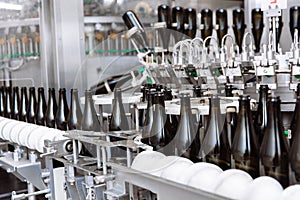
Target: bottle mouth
244,97
274,99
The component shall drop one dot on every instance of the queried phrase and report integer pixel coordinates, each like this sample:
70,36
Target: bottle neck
274,115
185,106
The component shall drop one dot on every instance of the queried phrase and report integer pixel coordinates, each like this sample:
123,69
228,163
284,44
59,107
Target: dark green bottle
23,105
31,108
295,145
75,114
262,114
41,107
257,26
159,133
15,103
222,21
62,111
186,132
274,147
7,102
51,108
245,148
207,21
215,146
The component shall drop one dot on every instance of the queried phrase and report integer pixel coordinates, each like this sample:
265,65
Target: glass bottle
207,21
62,111
295,146
186,132
221,20
197,91
257,26
295,113
295,19
178,21
158,132
118,120
245,145
89,120
163,13
171,120
142,115
190,16
31,109
262,115
149,117
215,146
41,107
15,103
274,147
2,101
23,105
51,108
231,114
7,103
238,26
131,20
75,114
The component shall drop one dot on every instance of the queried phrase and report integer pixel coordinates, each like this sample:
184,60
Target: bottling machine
83,44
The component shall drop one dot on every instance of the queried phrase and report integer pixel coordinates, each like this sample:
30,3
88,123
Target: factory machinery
193,67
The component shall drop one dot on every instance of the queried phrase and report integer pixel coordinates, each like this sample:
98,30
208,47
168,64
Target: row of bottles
22,42
184,22
53,114
248,146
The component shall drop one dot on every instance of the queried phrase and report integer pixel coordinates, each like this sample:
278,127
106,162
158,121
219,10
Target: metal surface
19,22
165,189
24,169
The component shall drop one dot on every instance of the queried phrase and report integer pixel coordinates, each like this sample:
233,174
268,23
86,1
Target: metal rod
104,160
30,189
29,195
98,157
75,160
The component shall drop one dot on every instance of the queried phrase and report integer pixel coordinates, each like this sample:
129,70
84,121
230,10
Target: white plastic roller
29,135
